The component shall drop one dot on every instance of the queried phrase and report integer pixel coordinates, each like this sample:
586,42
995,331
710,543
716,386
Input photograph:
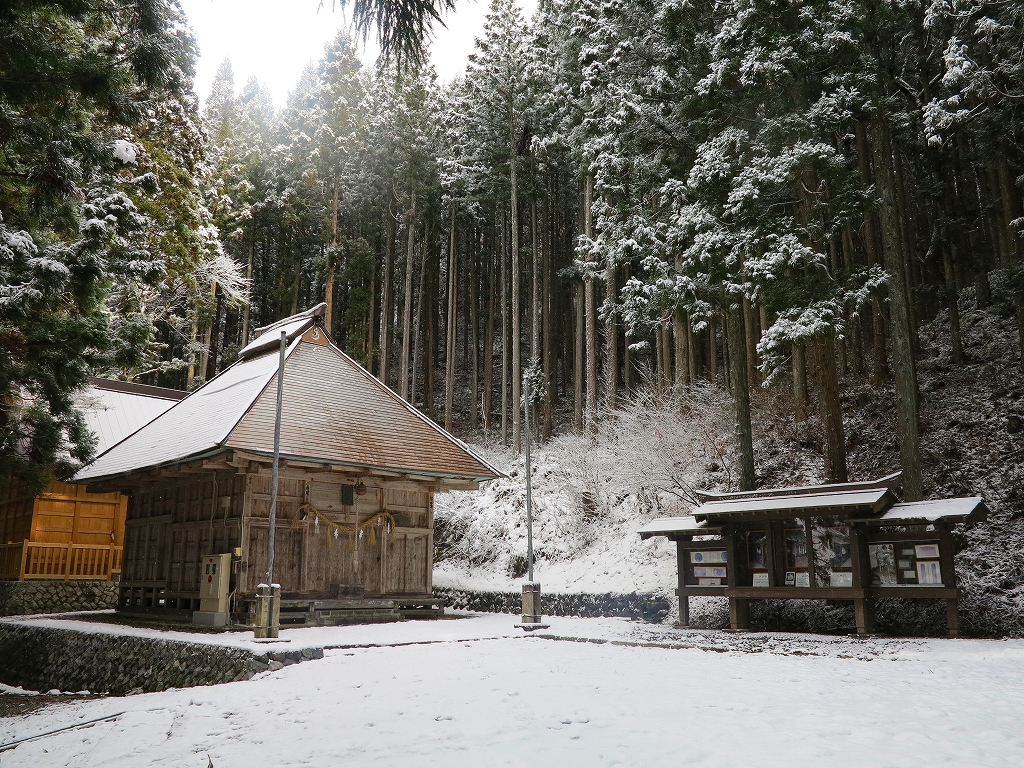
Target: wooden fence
37,560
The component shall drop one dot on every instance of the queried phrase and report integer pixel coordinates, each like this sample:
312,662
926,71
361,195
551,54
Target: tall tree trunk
403,376
948,244
740,395
856,336
505,338
517,375
579,364
204,355
329,282
611,338
492,287
713,349
371,319
1008,204
681,338
830,410
900,329
547,322
799,384
449,371
590,311
215,346
535,306
387,301
418,322
753,331
879,358
432,290
297,285
245,307
693,356
190,377
474,339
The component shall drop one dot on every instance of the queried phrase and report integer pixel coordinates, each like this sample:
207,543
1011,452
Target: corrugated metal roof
193,426
807,501
665,525
334,412
111,416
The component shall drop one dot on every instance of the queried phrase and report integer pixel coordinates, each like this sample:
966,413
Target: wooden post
739,613
684,600
24,560
948,569
863,607
739,610
67,564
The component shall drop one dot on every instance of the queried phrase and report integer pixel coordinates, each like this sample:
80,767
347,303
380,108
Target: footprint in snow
439,718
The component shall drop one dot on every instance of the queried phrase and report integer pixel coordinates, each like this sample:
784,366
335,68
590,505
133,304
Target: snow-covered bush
590,493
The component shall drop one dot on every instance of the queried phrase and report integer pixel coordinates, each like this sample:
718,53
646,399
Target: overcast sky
275,39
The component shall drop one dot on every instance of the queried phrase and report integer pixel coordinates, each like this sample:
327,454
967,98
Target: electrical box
215,583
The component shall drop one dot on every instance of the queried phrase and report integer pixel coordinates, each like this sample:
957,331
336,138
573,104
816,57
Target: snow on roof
269,336
895,480
334,411
871,497
665,525
113,410
950,510
197,424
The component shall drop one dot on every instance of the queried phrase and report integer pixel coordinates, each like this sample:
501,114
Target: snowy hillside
589,498
591,495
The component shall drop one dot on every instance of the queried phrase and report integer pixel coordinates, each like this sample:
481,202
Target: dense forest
616,197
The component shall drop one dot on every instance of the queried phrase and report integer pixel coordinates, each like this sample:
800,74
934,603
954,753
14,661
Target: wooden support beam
864,614
739,613
684,600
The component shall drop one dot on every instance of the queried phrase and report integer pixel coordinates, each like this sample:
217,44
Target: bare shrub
656,448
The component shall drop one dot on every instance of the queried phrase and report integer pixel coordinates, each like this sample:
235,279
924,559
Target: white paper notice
841,579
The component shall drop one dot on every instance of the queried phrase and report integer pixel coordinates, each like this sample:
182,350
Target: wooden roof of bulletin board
334,412
873,502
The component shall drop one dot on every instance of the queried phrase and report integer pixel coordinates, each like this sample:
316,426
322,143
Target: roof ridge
319,310
132,388
891,481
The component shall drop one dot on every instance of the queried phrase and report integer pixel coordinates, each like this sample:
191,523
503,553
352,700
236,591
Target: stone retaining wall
632,605
43,658
19,598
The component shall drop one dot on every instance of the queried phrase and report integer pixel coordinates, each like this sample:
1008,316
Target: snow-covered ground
476,692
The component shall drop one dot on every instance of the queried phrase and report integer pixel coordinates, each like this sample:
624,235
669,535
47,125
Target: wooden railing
38,560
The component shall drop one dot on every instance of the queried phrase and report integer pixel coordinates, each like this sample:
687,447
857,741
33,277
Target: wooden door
406,562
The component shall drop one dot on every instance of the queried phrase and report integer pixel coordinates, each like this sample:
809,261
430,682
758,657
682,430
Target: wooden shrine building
68,533
359,470
848,541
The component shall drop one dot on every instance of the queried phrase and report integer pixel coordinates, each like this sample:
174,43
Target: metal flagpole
531,590
275,473
529,488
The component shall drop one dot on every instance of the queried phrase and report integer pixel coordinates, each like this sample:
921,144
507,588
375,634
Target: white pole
277,461
529,487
